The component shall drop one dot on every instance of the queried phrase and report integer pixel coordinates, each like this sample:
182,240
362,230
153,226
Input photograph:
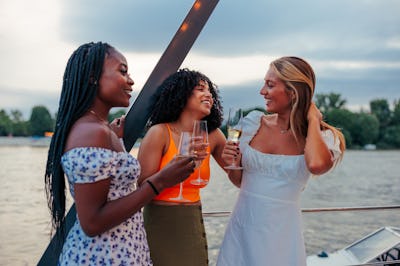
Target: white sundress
265,227
125,244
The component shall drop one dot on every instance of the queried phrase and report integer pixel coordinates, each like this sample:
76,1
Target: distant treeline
40,121
379,126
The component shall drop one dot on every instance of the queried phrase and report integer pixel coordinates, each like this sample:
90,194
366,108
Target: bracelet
153,187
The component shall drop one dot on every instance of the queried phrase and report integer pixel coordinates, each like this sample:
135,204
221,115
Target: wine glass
200,145
184,150
234,128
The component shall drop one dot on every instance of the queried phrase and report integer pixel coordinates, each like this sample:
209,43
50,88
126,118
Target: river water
364,178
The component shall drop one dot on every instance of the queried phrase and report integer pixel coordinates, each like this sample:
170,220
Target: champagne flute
234,128
200,144
184,150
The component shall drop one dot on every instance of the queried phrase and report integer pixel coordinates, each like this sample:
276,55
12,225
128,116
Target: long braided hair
79,89
172,95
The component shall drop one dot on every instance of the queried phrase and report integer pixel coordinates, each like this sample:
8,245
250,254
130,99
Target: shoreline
35,141
25,141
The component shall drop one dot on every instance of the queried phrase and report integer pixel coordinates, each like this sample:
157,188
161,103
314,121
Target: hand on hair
314,113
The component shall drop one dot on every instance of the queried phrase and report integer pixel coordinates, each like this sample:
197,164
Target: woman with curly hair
279,152
175,230
101,174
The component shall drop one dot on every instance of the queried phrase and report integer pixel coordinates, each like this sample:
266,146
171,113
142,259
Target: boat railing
395,262
381,263
326,209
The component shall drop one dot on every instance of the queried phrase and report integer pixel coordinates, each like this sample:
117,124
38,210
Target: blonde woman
279,152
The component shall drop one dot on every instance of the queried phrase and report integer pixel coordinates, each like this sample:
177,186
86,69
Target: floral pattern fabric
125,244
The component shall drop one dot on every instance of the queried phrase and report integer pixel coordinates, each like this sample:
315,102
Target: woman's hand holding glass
231,154
200,145
199,150
176,171
185,150
234,128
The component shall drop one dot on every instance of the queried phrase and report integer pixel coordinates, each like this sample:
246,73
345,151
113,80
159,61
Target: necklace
284,131
175,130
98,117
281,130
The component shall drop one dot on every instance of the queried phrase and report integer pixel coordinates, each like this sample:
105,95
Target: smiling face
278,98
115,84
201,99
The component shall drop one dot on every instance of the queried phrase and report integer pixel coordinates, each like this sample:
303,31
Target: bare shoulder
156,135
89,134
217,135
269,119
216,139
157,130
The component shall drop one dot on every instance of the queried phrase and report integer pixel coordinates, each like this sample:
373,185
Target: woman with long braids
101,174
175,229
279,152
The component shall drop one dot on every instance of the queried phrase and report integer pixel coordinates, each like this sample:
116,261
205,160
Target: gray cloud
324,29
144,26
320,31
353,87
26,99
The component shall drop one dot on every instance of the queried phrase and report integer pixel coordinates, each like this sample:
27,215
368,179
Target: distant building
370,147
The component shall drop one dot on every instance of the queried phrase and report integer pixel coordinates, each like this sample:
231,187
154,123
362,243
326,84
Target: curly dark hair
172,95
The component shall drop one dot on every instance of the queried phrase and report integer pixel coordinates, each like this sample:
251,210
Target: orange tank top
190,192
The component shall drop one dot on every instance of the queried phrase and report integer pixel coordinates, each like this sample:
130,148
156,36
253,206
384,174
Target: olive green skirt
176,235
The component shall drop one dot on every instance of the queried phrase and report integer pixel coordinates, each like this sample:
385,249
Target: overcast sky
354,46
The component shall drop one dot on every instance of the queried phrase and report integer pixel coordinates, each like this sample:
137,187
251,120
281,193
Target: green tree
223,127
380,108
328,102
246,111
390,138
116,114
343,119
19,126
40,121
396,112
365,129
5,123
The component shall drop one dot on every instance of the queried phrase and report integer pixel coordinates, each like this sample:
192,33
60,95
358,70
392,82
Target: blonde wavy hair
299,77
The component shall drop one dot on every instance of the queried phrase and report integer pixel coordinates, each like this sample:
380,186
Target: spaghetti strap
169,130
170,136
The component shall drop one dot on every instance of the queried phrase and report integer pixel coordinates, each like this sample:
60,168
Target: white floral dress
125,244
265,227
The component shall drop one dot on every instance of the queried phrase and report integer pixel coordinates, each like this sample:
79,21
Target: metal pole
169,63
380,263
329,209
